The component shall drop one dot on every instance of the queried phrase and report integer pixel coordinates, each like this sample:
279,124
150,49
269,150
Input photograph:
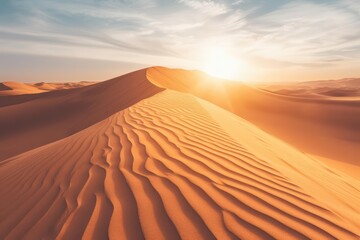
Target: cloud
206,6
352,5
297,32
238,2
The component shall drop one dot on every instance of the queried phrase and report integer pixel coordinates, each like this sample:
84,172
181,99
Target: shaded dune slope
4,87
34,120
168,168
302,122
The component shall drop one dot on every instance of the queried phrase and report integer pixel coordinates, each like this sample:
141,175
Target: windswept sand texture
171,166
30,121
325,127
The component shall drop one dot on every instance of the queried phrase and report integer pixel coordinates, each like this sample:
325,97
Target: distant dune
17,88
345,88
157,154
61,86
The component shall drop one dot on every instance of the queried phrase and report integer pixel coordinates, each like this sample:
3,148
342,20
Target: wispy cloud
297,32
206,6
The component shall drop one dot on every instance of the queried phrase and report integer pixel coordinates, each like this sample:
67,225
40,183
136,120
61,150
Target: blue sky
48,40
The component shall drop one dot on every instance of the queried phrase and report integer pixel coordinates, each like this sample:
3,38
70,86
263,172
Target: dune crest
300,121
37,119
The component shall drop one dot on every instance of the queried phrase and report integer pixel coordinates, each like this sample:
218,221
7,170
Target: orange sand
327,127
16,88
140,161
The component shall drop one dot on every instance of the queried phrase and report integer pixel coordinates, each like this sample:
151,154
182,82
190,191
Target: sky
94,40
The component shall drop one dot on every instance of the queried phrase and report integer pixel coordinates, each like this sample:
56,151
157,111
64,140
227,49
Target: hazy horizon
97,40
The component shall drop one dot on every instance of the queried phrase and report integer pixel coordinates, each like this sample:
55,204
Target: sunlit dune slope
30,121
174,166
324,127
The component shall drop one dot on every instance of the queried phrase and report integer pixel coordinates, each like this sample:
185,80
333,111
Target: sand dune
348,88
37,119
167,168
301,121
142,161
61,86
17,88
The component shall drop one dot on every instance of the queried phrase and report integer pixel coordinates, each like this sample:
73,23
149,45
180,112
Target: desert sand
328,127
174,154
34,120
17,88
347,88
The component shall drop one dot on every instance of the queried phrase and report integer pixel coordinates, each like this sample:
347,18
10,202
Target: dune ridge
165,169
37,119
300,121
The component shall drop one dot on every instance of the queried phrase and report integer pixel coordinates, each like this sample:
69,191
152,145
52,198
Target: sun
220,63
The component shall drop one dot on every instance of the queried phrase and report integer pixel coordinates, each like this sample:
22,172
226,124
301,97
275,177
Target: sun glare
219,63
